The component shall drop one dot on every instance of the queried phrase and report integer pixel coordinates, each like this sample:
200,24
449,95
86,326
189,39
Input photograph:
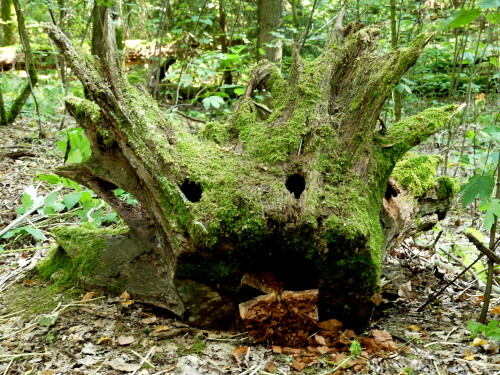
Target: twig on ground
145,359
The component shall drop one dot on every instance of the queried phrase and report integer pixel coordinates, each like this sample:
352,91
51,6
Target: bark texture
291,200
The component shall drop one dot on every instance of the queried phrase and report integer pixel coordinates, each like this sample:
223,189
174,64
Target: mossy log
292,198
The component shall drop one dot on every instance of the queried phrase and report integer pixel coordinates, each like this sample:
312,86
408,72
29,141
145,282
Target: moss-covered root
408,133
110,259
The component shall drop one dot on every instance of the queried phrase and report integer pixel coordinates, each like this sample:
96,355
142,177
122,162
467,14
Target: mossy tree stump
290,199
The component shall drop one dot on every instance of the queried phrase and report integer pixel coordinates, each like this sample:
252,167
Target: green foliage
75,146
477,186
355,348
491,330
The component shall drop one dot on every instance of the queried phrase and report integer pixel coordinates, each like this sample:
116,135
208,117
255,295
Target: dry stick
435,295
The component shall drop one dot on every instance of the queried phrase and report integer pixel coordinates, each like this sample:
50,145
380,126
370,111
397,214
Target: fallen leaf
125,340
150,320
322,350
288,350
495,310
331,326
277,349
468,355
479,342
384,339
376,298
320,340
122,366
270,367
160,328
49,319
127,303
104,341
88,296
239,352
125,295
298,365
29,283
414,328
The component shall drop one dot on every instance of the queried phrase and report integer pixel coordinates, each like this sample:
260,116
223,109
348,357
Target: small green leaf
462,18
48,320
213,101
50,178
492,210
493,17
71,199
37,233
239,92
477,186
489,4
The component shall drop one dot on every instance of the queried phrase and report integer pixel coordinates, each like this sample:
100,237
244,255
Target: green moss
416,173
408,133
447,187
81,254
215,131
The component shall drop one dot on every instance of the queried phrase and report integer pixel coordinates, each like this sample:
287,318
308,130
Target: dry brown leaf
288,350
468,355
322,350
125,340
122,366
414,328
270,367
125,295
29,283
104,341
298,365
277,349
376,298
479,342
330,328
384,339
127,303
239,352
149,320
161,328
320,340
88,296
495,310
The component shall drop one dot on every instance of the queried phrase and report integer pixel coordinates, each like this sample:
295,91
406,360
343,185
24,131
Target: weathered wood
296,194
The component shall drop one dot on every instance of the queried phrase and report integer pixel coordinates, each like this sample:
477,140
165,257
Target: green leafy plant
75,146
490,330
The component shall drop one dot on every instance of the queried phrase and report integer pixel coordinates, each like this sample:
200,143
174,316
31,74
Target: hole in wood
295,184
191,190
391,191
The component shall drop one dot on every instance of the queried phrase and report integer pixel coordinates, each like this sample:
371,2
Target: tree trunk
20,100
269,17
8,26
396,95
287,204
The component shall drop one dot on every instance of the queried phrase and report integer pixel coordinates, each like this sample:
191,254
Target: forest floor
42,332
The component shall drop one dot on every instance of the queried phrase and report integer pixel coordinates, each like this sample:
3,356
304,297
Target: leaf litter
96,334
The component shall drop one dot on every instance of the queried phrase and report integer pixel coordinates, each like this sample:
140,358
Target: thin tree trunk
26,91
224,42
269,18
396,95
8,27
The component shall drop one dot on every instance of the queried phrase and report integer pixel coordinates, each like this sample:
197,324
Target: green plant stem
489,282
